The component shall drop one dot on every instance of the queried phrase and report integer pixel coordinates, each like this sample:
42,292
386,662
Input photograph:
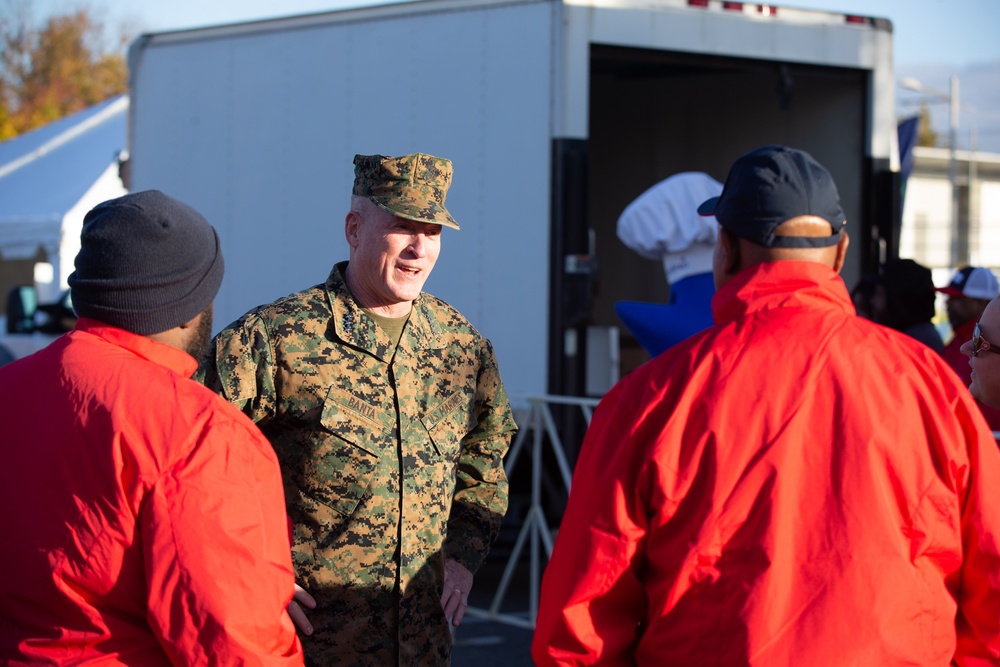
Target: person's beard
201,338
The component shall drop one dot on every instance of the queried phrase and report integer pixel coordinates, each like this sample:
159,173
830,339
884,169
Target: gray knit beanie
147,263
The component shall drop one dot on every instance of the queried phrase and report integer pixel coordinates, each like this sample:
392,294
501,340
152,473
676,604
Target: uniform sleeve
239,367
480,500
978,620
217,555
592,601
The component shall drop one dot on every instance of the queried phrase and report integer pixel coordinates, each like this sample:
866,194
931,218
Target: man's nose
418,244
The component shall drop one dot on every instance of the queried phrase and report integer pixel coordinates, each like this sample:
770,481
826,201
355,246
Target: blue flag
907,132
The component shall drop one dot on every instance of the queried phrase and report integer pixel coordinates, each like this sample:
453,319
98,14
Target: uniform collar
355,327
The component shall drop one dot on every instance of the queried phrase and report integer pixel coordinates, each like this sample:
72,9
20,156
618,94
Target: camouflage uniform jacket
392,459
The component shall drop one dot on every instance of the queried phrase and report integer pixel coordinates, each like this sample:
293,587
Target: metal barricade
535,529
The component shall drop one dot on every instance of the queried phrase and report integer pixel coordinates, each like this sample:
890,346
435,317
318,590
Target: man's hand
455,597
298,614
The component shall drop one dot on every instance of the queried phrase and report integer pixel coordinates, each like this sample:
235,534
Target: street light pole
959,240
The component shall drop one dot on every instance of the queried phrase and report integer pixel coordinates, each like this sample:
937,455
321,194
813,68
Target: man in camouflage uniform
387,412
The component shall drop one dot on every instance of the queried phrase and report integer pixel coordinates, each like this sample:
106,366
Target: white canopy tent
51,177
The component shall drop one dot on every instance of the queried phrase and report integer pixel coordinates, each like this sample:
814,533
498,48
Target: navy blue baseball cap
771,185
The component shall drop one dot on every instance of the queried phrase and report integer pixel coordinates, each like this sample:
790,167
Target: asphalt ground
481,642
484,642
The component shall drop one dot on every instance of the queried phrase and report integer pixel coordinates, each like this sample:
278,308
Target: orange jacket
143,519
794,486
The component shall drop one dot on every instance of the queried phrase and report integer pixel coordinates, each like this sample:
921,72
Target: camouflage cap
412,186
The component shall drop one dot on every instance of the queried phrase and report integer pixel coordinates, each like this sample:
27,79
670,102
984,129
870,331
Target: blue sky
933,39
948,32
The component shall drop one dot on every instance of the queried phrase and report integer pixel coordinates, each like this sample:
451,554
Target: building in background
49,179
926,235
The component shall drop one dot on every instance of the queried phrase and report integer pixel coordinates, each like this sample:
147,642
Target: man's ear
726,258
731,249
351,224
842,245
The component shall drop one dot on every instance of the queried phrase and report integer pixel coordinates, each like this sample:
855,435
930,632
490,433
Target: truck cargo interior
655,113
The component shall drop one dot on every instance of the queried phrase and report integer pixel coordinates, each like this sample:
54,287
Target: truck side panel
258,131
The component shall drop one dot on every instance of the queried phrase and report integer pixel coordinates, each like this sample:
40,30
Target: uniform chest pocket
449,423
346,460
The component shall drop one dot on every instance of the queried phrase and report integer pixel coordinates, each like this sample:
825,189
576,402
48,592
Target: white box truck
556,114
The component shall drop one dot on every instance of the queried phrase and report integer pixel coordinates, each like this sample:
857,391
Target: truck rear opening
657,113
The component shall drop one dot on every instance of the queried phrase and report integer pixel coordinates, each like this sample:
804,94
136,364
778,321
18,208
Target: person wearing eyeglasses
795,485
969,291
984,356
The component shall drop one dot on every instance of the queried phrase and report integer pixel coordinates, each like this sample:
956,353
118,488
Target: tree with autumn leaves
54,68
